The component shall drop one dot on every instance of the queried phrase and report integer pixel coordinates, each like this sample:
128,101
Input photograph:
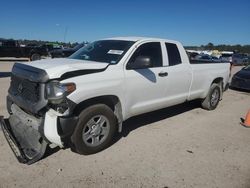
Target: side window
9,43
174,57
152,50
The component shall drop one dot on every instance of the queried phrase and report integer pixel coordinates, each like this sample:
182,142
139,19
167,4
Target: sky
192,22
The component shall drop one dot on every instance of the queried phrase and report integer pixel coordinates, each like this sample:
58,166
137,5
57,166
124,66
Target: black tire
35,57
84,146
213,98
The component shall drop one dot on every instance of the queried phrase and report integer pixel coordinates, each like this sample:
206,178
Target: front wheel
95,129
212,99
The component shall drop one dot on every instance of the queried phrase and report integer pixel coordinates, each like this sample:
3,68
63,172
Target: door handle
163,74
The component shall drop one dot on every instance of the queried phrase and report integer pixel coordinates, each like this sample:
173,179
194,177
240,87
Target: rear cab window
226,55
174,57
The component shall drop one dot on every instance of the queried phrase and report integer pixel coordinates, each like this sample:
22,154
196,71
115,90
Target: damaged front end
22,133
40,114
25,98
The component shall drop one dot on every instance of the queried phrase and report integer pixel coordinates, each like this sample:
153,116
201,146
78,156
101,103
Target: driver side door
145,86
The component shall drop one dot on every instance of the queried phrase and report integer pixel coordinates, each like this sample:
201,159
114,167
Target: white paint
50,128
57,67
115,52
139,91
135,90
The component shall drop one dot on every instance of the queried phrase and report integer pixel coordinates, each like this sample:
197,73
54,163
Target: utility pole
65,34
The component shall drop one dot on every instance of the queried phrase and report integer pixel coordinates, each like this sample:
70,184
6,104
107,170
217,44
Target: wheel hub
96,130
215,97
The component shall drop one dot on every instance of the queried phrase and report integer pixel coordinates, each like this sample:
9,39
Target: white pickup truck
81,101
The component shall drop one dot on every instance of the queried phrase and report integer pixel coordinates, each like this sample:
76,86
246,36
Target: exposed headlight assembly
56,91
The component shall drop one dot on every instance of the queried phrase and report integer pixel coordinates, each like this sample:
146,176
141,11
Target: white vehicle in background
81,101
226,56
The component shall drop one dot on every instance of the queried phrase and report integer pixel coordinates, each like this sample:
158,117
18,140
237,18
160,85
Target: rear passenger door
179,75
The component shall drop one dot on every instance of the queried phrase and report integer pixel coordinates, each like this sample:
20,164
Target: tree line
43,42
210,46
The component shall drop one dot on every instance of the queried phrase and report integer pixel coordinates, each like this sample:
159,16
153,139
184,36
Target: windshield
107,51
226,55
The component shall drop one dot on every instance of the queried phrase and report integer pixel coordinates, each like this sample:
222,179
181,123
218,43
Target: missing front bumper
26,143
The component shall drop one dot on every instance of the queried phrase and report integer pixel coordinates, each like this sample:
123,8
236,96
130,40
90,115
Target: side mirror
141,62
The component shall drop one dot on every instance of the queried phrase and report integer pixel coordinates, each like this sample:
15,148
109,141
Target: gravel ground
181,146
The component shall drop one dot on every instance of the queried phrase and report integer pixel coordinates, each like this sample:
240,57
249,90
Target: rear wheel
95,129
212,99
35,57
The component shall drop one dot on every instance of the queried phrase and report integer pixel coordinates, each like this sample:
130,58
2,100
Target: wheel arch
111,101
217,80
33,51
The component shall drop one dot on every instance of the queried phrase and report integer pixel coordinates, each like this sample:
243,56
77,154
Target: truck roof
135,38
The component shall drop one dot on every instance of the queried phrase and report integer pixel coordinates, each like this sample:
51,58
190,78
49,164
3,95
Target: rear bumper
27,150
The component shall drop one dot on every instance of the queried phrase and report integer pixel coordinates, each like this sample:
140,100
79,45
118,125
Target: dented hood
55,68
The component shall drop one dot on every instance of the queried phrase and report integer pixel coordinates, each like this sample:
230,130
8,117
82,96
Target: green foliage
40,42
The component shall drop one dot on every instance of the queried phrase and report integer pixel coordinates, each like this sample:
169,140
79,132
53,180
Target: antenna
65,34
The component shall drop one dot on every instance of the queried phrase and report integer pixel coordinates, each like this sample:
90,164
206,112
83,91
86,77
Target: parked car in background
239,59
12,48
226,57
207,58
65,52
192,55
241,80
